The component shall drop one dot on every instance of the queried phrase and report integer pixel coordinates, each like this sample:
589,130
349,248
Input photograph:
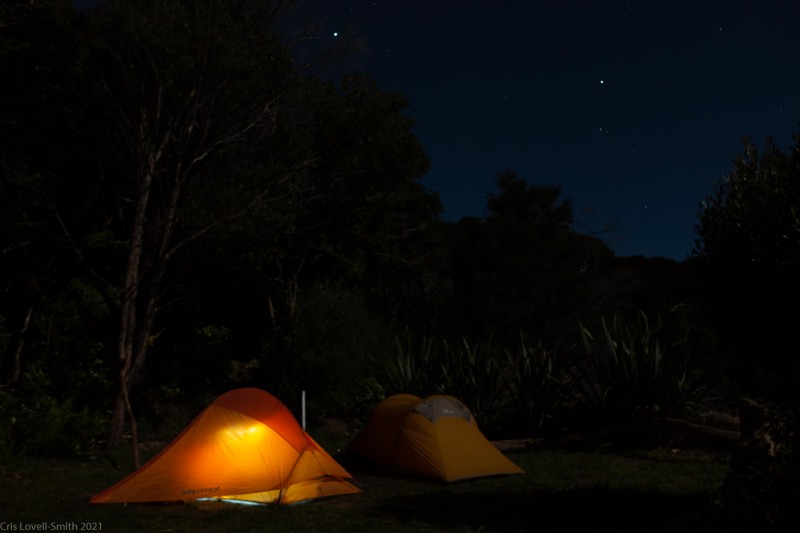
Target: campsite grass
661,490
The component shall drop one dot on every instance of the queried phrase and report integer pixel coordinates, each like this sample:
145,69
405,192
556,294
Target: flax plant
417,368
469,371
473,374
537,385
638,371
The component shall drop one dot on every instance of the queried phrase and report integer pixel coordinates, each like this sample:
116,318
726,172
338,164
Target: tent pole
303,409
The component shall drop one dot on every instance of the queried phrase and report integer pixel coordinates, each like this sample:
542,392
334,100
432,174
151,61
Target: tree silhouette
749,237
522,269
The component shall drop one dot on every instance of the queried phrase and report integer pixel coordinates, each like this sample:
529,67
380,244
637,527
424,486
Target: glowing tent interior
246,446
436,438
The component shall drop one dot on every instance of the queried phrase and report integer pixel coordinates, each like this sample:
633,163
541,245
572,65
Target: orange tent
245,446
436,437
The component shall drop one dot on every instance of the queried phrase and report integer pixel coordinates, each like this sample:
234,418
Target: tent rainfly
435,438
246,446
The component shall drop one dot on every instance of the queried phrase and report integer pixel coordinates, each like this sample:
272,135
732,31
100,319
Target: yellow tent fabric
436,437
245,446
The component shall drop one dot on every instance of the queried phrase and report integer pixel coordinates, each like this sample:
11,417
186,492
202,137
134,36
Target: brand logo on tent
200,491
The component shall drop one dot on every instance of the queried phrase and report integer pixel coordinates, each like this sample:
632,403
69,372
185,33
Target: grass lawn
661,490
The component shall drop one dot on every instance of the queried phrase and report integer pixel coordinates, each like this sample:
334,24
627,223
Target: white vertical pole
303,409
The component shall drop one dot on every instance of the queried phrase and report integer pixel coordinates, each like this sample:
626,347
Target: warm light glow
243,431
229,500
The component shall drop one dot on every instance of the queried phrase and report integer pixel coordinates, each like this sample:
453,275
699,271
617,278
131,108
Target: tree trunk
128,324
131,352
16,369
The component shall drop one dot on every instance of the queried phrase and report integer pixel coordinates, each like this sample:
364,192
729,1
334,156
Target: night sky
634,108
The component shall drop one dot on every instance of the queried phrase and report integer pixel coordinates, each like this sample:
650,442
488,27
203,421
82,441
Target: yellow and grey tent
246,446
436,438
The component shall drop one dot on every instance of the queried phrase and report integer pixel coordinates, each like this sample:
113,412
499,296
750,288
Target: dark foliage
762,489
749,241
